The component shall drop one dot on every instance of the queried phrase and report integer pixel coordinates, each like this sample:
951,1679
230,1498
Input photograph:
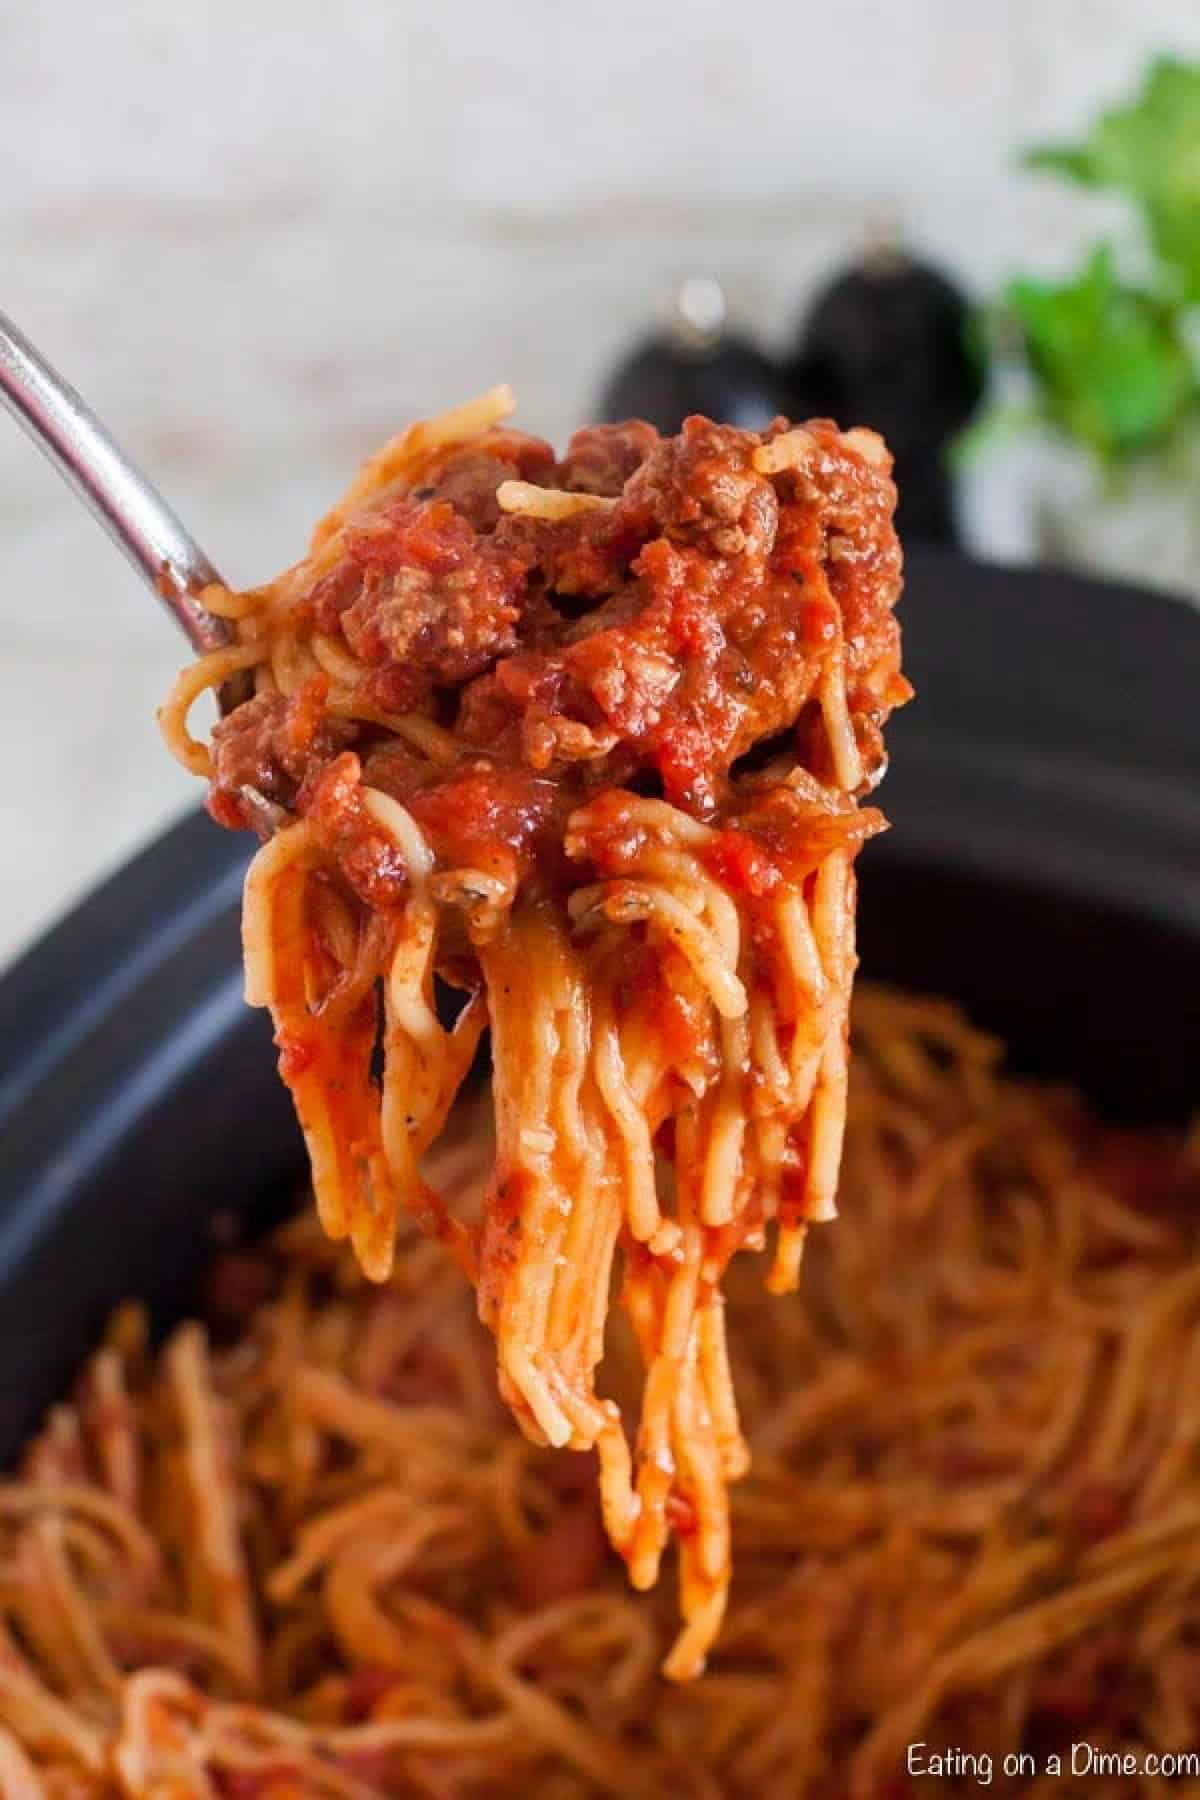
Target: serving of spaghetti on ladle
588,740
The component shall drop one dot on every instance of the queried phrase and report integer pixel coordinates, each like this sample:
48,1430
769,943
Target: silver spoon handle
131,510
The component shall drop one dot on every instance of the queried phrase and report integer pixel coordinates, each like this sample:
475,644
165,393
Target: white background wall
261,233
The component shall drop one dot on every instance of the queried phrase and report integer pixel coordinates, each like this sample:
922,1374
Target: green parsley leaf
1150,151
1111,367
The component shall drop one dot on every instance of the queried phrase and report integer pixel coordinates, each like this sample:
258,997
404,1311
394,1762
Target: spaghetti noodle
587,739
302,1554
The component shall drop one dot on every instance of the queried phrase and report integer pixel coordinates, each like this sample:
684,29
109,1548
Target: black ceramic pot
1043,868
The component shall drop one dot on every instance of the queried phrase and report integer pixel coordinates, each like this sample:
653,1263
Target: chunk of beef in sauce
423,598
424,593
469,475
702,489
274,745
601,458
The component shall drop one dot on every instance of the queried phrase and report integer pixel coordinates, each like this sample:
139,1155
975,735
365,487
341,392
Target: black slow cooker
1043,869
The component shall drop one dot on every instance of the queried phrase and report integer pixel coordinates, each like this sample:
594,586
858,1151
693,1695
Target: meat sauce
646,645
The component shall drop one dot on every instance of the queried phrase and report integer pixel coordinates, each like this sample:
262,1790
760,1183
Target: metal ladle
130,508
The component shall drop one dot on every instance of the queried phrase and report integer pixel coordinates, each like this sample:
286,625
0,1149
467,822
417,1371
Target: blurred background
259,238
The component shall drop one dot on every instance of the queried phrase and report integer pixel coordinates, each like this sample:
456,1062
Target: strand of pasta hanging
586,741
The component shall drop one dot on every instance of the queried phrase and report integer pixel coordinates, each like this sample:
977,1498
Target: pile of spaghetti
302,1552
587,739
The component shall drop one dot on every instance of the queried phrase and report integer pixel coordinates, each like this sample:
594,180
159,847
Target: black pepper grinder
885,344
695,363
